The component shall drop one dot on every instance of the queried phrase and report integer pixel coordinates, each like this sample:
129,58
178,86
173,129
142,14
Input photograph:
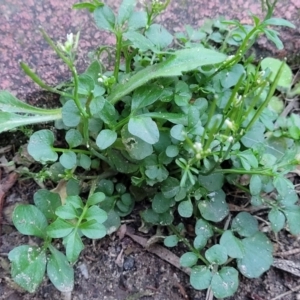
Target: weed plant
178,118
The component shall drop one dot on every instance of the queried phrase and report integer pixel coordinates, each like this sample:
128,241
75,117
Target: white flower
198,146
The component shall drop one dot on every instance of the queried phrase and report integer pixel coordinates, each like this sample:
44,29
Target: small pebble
84,270
128,263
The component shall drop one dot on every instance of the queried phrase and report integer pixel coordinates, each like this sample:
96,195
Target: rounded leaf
215,209
28,265
29,220
95,198
160,204
200,242
200,277
277,219
70,114
68,160
233,245
286,77
93,229
171,241
244,224
40,146
73,138
258,256
225,282
106,138
216,254
188,259
185,208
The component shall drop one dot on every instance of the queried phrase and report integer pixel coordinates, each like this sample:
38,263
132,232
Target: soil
119,268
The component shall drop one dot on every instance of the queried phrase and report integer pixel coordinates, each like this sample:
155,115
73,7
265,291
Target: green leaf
180,61
177,132
68,160
30,220
255,185
248,159
182,93
97,105
40,146
59,229
277,219
47,202
159,36
11,120
254,136
73,189
67,211
150,216
292,214
106,138
138,19
225,282
283,185
185,208
73,245
279,22
70,114
96,213
125,10
105,18
73,138
144,128
172,151
170,187
145,96
136,147
212,182
85,5
60,273
121,162
200,277
244,224
93,229
84,161
188,259
113,222
75,200
215,209
85,84
28,265
108,114
216,254
230,77
257,256
232,244
203,228
171,241
286,77
160,204
95,198
139,41
200,242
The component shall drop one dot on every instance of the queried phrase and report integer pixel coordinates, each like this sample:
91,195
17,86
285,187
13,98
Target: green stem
267,172
118,54
186,242
72,150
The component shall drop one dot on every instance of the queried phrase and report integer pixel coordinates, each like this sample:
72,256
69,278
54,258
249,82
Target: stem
267,172
186,242
118,54
72,150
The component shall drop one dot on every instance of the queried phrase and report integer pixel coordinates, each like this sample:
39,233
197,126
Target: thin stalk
186,242
269,96
118,54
